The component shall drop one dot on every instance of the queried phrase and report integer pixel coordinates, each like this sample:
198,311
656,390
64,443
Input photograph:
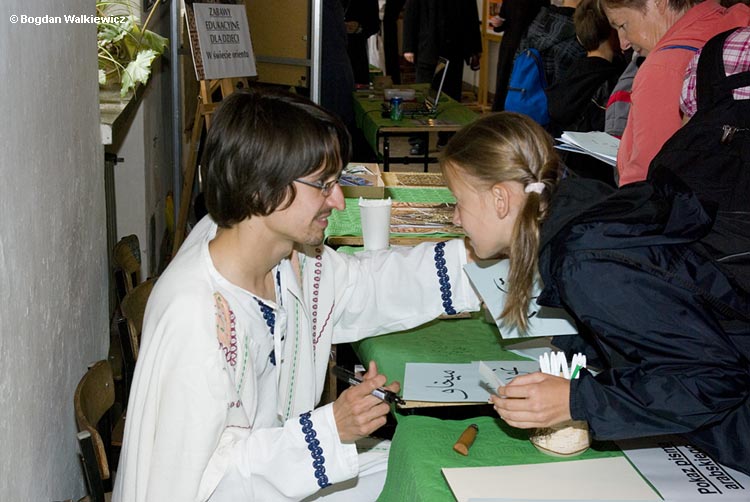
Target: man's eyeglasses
325,188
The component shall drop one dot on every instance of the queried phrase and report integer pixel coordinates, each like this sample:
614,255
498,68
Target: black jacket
441,28
553,34
364,12
578,100
673,332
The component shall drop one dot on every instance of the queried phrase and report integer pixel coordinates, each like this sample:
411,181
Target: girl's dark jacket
672,331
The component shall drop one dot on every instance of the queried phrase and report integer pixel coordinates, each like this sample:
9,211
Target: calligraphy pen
347,376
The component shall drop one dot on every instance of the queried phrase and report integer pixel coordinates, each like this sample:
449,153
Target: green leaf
155,42
137,71
114,32
102,77
126,50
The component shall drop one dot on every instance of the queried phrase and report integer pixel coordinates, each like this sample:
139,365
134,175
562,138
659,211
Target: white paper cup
375,218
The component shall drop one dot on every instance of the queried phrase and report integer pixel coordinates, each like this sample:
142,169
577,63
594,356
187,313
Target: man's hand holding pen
357,411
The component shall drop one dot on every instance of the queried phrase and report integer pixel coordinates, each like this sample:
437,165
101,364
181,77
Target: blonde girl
502,170
669,327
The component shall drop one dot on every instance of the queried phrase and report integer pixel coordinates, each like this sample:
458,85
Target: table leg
386,152
426,151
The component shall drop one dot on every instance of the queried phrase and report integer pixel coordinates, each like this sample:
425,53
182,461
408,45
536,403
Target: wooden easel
204,109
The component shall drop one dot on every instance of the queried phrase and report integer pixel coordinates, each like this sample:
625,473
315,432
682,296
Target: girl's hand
534,400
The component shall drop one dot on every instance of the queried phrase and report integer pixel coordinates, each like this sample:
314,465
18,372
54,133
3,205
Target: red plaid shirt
736,60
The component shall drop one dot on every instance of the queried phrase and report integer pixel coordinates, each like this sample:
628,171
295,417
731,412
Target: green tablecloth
347,222
368,109
423,445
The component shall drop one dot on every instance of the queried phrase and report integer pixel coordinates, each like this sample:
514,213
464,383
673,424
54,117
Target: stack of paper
599,145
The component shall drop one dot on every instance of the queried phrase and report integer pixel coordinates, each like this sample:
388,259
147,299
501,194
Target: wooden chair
121,358
122,369
92,402
126,259
126,272
133,307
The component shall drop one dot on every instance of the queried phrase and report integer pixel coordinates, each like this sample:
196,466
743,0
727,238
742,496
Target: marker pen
347,376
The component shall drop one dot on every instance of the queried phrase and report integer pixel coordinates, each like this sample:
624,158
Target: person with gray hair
669,32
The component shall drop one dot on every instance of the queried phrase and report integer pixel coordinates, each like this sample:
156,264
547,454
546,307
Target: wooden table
450,117
423,444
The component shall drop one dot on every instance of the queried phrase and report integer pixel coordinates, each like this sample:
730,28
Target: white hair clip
537,187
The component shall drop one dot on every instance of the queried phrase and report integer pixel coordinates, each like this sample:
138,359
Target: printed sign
684,473
220,40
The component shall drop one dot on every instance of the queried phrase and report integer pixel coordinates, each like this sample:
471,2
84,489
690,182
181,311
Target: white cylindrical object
375,218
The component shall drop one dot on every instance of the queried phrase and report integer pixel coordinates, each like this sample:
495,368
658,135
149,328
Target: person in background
392,12
441,28
670,328
577,101
553,34
513,21
337,82
618,104
362,20
668,32
238,330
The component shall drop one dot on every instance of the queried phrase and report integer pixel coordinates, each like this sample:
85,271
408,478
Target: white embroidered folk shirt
222,405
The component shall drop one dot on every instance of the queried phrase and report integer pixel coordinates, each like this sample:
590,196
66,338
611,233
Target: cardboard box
410,179
375,189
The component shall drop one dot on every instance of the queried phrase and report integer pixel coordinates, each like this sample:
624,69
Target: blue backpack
526,88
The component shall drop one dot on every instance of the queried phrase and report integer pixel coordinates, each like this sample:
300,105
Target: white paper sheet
598,144
531,347
594,479
489,379
457,383
683,473
490,279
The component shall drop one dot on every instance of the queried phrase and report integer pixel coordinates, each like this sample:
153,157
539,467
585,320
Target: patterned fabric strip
316,452
444,279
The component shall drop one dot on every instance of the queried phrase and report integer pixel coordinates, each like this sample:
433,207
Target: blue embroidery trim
315,450
445,282
270,318
268,315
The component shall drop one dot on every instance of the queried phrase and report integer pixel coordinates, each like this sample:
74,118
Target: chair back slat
94,396
91,469
126,257
133,307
